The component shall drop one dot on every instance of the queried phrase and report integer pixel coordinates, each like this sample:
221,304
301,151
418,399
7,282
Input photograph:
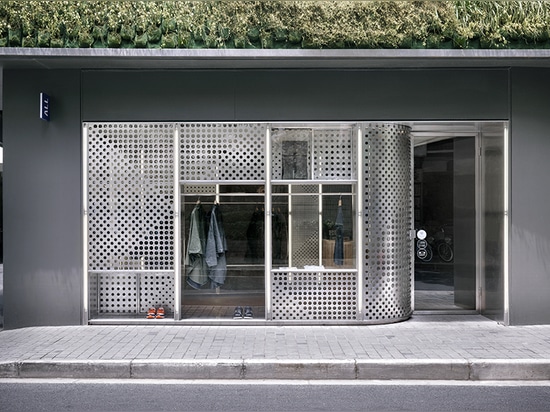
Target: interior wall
42,192
530,225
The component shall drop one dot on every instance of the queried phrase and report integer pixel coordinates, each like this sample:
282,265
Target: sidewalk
439,347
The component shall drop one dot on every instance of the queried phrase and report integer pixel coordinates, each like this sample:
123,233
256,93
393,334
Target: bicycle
443,245
440,242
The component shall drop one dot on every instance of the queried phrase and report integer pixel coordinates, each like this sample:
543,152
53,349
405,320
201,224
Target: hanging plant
280,34
169,25
114,40
294,36
85,39
141,41
43,38
278,24
3,34
99,32
14,35
57,42
240,42
154,34
127,32
253,34
266,40
29,41
169,41
185,40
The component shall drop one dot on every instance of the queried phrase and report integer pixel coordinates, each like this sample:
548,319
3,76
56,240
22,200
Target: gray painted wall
295,95
42,272
42,235
530,197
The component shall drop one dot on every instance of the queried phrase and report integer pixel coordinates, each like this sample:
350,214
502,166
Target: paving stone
440,338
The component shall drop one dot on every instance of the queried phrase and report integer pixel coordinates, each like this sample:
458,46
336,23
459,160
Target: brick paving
424,337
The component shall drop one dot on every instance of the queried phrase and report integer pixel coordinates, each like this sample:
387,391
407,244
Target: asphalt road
87,395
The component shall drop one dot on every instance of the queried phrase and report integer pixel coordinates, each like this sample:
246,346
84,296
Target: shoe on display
248,312
238,313
151,313
160,313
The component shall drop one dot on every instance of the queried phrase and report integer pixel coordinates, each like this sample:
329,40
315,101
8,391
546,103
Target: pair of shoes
238,313
153,313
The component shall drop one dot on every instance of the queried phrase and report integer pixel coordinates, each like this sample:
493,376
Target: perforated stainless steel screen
130,212
310,295
387,221
130,216
222,151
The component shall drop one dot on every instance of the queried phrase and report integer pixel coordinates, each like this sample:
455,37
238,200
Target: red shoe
151,313
160,313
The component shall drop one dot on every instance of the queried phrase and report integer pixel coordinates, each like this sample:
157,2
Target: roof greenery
271,24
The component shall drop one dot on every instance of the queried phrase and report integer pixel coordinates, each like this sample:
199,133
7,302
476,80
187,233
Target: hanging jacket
216,246
279,236
255,237
195,263
339,243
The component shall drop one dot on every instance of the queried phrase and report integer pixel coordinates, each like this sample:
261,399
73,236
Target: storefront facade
268,218
99,200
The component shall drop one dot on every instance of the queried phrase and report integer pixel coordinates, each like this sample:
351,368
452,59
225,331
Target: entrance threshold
446,312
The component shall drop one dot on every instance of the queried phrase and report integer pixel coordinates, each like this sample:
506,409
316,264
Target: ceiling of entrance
430,132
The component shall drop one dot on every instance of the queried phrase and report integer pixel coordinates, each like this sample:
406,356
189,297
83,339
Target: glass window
313,225
223,250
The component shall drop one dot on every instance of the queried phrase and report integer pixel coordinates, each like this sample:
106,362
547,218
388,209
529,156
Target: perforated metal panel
222,151
314,296
156,289
117,293
198,189
304,226
129,293
330,153
130,212
334,154
387,222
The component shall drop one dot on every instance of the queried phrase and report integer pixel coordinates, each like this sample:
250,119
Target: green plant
275,24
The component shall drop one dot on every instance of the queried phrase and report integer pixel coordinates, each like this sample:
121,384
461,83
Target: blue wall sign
44,107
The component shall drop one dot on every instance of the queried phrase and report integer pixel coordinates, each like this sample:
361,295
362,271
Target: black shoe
248,312
238,314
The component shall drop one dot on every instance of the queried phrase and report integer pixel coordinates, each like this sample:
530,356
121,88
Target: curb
260,369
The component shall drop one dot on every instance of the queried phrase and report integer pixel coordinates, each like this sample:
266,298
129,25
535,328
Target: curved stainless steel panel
387,221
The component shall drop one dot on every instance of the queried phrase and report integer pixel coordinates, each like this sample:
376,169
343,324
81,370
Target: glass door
445,219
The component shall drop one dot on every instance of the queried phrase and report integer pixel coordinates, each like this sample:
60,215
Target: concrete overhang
40,58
